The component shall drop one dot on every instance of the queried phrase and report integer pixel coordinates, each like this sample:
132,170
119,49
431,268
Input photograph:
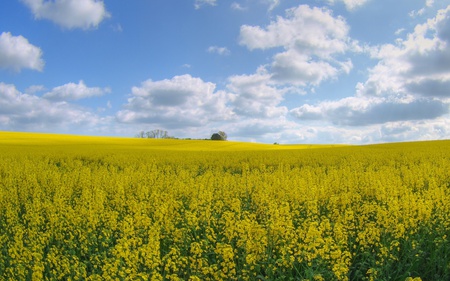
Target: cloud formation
254,96
200,3
273,4
313,30
181,102
19,111
357,111
303,53
17,53
410,83
223,51
420,60
72,91
70,14
312,38
350,4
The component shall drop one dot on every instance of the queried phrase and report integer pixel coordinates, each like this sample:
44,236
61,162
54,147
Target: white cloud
362,111
284,131
406,96
313,31
218,50
415,130
294,68
415,13
354,4
350,4
419,64
399,31
200,3
255,97
318,131
310,37
237,6
420,12
34,89
252,129
273,4
83,14
72,91
388,132
19,111
17,53
183,101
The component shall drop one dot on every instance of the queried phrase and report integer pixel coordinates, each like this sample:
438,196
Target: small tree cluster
155,134
219,136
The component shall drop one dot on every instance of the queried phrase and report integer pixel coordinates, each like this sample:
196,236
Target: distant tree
155,134
216,136
223,135
140,135
219,136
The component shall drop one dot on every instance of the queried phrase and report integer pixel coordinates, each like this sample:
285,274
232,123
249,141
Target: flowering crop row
112,211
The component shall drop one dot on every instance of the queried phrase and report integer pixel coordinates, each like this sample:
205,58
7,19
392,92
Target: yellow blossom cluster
130,209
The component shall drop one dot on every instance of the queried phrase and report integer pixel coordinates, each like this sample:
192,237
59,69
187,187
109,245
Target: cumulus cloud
183,101
313,30
283,131
412,130
72,91
357,111
17,53
311,39
70,14
19,111
419,64
255,96
321,132
256,128
218,50
415,130
429,88
34,89
295,68
406,96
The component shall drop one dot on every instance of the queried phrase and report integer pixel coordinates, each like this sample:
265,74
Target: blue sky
320,71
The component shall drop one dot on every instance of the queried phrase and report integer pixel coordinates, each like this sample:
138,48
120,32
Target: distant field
14,138
100,208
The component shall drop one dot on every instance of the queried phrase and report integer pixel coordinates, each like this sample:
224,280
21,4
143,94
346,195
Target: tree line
155,134
162,134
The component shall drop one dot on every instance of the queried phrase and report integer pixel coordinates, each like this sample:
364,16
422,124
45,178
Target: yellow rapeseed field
92,208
